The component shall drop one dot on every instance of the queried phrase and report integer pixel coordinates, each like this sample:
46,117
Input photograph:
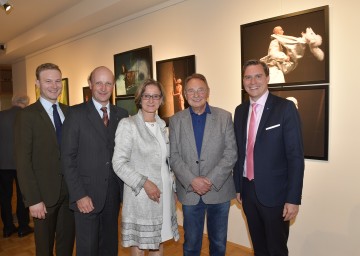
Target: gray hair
18,100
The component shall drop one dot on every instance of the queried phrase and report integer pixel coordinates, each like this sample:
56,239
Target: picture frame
128,103
63,97
131,69
293,58
171,73
87,94
313,106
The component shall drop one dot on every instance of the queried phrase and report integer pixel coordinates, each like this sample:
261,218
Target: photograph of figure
131,69
172,73
294,46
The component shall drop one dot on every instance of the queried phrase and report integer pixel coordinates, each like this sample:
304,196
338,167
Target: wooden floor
25,246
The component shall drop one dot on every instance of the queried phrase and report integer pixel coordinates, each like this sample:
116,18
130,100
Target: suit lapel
95,119
114,118
189,131
265,115
244,121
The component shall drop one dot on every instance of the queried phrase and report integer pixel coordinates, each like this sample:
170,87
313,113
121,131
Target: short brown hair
141,89
46,66
255,63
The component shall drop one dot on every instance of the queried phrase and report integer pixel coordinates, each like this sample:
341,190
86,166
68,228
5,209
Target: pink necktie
250,144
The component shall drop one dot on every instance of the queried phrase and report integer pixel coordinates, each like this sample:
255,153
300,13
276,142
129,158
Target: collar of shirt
207,110
49,109
98,107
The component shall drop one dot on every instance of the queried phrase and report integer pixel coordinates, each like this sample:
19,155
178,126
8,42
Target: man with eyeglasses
87,150
203,153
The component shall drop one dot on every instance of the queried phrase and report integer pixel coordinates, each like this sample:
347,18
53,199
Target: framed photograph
86,94
63,97
127,103
312,103
171,74
131,69
294,46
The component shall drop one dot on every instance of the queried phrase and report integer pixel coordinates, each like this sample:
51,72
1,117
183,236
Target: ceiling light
6,5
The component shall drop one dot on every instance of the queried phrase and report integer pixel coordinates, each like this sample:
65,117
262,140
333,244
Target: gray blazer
218,156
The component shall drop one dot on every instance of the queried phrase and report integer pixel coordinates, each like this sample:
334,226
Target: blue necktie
57,122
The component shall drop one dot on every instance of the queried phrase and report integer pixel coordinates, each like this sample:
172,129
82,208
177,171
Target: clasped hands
201,185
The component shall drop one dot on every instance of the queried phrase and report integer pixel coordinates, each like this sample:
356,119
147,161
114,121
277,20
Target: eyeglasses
200,91
154,96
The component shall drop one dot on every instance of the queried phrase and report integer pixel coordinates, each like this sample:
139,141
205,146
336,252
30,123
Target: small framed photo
63,97
127,103
294,46
131,69
312,103
87,94
171,73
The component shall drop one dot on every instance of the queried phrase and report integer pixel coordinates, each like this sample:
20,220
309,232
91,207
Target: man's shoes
8,233
25,231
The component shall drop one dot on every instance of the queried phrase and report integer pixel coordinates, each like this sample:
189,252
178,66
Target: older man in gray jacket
203,153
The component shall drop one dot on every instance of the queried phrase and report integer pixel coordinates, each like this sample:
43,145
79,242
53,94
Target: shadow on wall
335,244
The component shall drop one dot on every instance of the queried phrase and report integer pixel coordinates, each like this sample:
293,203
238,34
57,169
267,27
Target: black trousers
7,178
97,231
268,230
57,228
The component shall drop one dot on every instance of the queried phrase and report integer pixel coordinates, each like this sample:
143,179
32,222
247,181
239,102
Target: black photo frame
258,42
127,103
87,94
171,73
313,106
131,69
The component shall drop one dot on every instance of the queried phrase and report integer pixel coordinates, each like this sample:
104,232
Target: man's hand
38,210
290,211
238,198
201,185
85,205
152,190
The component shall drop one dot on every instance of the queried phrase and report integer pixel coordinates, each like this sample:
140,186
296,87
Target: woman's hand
152,190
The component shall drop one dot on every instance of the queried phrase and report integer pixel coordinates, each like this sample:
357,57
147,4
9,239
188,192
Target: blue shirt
198,122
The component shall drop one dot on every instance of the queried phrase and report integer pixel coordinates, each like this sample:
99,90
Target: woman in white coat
141,160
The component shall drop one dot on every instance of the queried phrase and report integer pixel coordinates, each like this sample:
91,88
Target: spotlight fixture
7,7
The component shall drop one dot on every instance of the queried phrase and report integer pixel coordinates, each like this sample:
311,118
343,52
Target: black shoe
25,231
8,233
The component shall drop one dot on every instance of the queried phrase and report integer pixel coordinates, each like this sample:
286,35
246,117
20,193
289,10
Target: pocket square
272,127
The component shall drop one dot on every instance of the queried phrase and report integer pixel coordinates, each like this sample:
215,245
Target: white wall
329,219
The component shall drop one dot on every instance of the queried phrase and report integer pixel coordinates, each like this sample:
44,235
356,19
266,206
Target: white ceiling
33,25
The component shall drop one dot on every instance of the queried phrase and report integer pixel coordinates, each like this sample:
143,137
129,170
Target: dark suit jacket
7,120
278,152
37,156
87,150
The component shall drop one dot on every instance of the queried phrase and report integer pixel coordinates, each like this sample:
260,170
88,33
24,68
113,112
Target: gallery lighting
7,7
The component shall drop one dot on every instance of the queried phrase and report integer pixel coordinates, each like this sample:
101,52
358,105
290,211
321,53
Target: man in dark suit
8,172
37,131
87,150
269,173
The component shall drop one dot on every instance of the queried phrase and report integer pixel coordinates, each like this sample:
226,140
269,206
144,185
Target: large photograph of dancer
294,46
